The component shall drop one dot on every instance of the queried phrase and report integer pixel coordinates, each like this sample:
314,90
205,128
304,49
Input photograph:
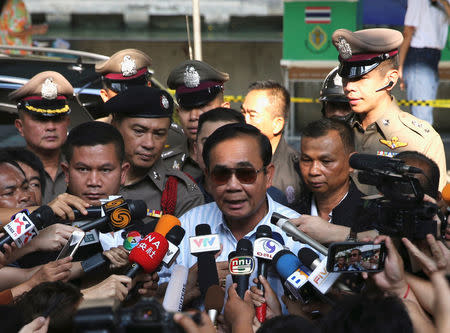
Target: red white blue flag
318,15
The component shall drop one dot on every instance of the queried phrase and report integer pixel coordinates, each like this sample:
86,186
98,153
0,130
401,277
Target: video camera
103,316
400,211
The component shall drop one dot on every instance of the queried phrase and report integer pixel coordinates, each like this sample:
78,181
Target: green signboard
308,26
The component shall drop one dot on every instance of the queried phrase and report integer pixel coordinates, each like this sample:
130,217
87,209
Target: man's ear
350,168
123,172
19,125
104,95
391,76
65,169
225,105
277,125
270,170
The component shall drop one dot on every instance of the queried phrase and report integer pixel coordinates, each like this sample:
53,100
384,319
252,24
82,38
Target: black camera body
147,315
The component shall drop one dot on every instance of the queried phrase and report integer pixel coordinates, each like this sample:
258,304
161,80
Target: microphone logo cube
266,248
131,240
297,279
204,243
20,225
242,265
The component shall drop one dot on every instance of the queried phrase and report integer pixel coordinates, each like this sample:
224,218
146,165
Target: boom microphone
173,299
370,162
148,254
24,227
292,231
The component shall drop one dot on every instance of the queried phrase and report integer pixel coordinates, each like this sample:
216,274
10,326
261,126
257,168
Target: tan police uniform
165,190
287,174
45,96
359,53
196,83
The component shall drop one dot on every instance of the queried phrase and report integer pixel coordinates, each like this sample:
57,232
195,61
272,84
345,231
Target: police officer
369,70
142,115
334,102
266,107
43,108
198,88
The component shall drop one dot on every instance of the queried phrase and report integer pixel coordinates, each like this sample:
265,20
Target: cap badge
164,102
49,89
128,66
191,77
345,51
394,143
386,122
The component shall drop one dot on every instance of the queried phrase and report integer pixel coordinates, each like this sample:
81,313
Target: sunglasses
355,254
245,175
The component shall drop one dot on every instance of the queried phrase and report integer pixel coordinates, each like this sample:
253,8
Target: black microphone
231,255
93,212
370,162
204,246
20,229
242,265
263,264
174,237
118,217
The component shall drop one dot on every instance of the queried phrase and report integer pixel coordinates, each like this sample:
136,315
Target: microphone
370,162
291,230
174,237
166,223
118,215
231,255
93,212
23,227
319,277
148,254
276,236
204,246
131,240
242,265
214,300
173,299
446,194
390,84
294,274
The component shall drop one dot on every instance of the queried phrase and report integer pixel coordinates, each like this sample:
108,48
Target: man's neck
50,159
241,227
274,143
135,174
326,202
373,115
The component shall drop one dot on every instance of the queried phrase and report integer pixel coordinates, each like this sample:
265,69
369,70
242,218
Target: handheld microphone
166,223
95,212
370,162
132,239
148,254
118,215
231,255
292,231
319,277
173,299
174,237
294,274
214,300
242,265
24,227
276,236
390,84
204,246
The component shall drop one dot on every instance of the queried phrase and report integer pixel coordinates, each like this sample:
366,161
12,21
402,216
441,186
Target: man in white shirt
425,35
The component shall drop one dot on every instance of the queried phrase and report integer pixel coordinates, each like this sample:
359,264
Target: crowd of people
233,171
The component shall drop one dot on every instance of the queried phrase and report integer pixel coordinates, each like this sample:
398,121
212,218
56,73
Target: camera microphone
368,162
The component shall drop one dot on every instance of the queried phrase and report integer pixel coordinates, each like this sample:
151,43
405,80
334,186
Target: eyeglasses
355,254
245,175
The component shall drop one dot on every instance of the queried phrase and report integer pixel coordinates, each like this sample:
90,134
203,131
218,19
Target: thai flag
318,15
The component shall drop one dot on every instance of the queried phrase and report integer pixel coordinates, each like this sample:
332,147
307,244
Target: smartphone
354,257
72,244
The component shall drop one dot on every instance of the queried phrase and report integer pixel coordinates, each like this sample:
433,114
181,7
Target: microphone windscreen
286,264
42,217
202,229
231,255
446,194
307,256
244,247
276,236
175,235
149,252
214,298
173,299
138,208
263,231
165,223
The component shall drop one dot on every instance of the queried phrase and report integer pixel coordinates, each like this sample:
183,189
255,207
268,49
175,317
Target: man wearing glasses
239,171
355,261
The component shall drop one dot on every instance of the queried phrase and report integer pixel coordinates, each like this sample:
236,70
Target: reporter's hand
189,326
150,286
52,238
319,229
441,302
58,270
267,296
38,325
117,256
116,286
239,312
392,278
6,256
64,203
440,255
